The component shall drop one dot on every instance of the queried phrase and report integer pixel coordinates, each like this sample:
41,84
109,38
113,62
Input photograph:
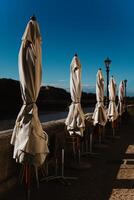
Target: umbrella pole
99,130
62,172
82,147
113,127
26,176
74,149
102,143
86,143
44,169
78,147
91,142
119,121
27,180
114,130
90,145
62,161
103,132
22,173
79,156
56,167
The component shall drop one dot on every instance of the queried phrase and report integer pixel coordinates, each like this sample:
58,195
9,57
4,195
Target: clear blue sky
94,29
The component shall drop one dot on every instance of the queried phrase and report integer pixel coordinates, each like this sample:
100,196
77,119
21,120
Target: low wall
8,166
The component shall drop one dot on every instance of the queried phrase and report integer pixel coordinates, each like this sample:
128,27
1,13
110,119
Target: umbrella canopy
99,115
28,137
75,120
112,109
121,96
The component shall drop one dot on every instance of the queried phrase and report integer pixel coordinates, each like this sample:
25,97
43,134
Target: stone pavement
110,176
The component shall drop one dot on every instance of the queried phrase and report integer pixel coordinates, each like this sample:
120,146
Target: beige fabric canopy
28,136
99,115
75,119
112,109
121,96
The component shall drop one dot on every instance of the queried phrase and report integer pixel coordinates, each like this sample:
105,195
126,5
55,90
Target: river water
60,115
44,117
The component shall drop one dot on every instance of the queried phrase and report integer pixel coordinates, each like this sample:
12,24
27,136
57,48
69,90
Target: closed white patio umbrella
112,108
75,121
121,96
99,115
28,138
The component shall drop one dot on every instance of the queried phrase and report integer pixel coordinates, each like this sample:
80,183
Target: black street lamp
125,84
107,62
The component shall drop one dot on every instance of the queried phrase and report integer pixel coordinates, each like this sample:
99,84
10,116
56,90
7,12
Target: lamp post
107,62
125,84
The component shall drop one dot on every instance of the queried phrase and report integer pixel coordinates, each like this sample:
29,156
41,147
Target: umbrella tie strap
18,123
75,102
27,104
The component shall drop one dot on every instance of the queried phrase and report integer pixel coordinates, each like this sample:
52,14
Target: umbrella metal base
90,152
101,146
63,179
26,171
25,175
80,166
113,137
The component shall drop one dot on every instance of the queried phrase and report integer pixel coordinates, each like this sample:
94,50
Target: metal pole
125,82
107,70
107,62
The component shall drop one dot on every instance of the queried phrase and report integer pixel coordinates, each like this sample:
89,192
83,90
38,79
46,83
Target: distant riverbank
44,117
50,99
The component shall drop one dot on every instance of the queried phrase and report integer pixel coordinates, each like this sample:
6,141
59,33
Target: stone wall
8,167
7,164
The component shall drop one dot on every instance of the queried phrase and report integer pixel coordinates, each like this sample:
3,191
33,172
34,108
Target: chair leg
22,173
91,140
62,171
74,149
44,169
56,167
37,177
78,149
113,132
86,145
99,130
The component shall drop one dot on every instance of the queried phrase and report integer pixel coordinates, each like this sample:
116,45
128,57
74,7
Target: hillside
50,98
